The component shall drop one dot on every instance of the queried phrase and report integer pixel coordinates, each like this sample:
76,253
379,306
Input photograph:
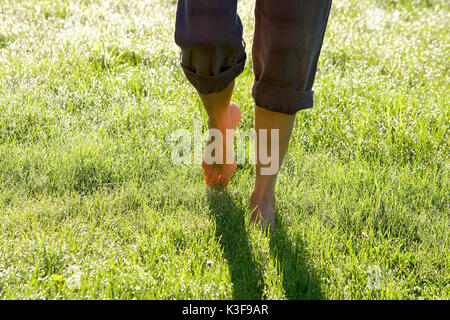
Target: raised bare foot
218,175
262,207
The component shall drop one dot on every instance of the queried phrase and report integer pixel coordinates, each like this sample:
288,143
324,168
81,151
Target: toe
214,177
207,170
227,174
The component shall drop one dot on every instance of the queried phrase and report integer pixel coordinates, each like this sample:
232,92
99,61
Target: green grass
91,207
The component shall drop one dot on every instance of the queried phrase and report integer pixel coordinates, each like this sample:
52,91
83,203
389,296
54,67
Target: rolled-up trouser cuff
210,84
280,99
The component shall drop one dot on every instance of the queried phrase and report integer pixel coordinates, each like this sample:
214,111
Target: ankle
217,122
218,114
263,195
265,184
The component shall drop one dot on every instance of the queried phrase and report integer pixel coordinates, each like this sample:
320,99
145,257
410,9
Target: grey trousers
287,41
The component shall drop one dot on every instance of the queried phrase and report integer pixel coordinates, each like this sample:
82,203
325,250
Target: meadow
92,207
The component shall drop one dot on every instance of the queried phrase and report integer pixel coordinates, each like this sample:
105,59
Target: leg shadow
246,274
299,280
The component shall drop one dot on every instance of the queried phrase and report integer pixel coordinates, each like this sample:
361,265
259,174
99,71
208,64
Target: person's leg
209,33
262,199
287,43
223,115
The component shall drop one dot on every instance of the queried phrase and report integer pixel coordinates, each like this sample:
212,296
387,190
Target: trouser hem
211,84
281,100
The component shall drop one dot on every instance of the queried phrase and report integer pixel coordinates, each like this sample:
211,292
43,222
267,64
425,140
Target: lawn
92,207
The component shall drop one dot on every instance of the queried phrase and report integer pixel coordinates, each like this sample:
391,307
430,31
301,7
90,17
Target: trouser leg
287,42
209,33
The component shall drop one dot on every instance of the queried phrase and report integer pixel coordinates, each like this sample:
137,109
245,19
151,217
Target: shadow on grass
299,282
246,274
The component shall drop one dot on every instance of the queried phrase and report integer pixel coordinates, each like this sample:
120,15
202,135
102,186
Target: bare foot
218,175
262,206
